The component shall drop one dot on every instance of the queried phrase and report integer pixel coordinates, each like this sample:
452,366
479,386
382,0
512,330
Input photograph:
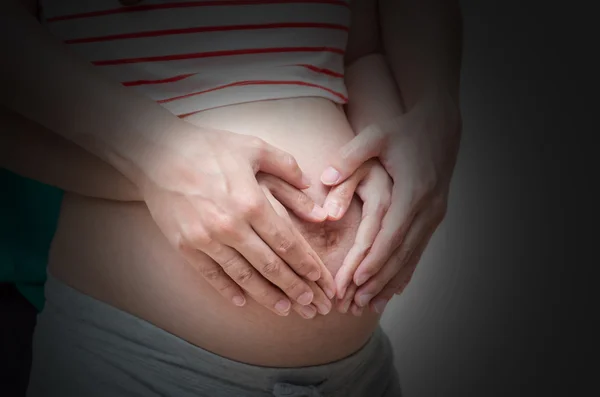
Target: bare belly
114,252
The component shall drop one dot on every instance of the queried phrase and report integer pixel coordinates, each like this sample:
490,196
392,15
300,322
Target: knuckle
226,224
250,205
257,143
271,268
285,245
294,286
197,237
383,205
244,276
212,274
231,262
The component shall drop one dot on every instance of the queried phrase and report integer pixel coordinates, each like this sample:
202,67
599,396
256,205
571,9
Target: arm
67,96
199,184
373,98
417,145
422,41
30,150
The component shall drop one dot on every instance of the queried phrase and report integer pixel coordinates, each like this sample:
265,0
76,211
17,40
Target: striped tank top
190,56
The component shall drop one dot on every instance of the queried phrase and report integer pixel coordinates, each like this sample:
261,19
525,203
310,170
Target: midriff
115,253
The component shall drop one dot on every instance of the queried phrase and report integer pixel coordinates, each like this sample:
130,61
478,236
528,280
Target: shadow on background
481,316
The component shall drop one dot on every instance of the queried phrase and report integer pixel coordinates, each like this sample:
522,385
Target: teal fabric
29,212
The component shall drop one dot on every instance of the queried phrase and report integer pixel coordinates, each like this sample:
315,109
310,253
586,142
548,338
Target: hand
373,185
281,195
419,151
201,189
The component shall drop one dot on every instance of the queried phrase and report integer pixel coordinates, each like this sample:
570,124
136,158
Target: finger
247,277
273,268
340,196
412,264
326,282
418,230
394,226
364,146
286,244
379,302
269,159
320,288
307,312
321,301
399,282
375,194
293,198
365,235
214,274
356,310
345,302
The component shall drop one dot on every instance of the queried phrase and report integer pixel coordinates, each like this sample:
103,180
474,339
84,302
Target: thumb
366,145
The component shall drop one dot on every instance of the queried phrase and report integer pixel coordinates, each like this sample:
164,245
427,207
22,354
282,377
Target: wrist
439,101
137,152
165,156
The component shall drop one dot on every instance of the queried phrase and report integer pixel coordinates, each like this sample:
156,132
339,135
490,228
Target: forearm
373,95
32,151
44,82
422,41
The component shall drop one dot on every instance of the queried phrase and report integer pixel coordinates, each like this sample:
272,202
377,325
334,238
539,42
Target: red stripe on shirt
217,54
254,82
161,81
321,70
205,29
211,3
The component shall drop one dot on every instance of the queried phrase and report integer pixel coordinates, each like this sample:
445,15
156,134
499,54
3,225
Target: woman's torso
114,252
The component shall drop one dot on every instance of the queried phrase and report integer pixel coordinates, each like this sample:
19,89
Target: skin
130,154
137,134
122,257
415,135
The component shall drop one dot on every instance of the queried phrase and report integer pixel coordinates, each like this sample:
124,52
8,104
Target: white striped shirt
191,56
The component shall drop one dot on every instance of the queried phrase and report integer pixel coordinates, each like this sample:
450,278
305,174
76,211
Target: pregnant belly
114,252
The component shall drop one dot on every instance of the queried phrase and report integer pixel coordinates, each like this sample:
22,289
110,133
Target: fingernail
323,307
283,306
330,176
346,306
361,279
330,294
314,275
239,300
357,311
319,212
334,209
380,305
306,298
306,180
308,311
363,300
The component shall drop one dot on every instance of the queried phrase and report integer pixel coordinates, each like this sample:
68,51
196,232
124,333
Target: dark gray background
491,310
